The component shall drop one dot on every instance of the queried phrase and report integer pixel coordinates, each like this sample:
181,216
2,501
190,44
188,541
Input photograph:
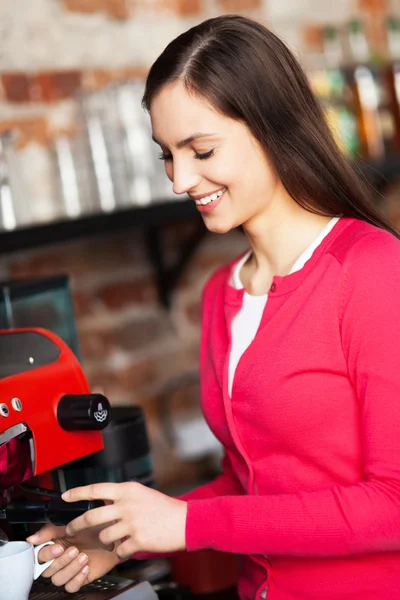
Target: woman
300,348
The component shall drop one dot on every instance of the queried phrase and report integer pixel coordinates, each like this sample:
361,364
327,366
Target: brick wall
42,35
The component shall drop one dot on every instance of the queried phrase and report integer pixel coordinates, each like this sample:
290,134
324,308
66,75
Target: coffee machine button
16,404
83,412
4,412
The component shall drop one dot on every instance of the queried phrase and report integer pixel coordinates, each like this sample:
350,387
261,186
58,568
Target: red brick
239,5
103,379
97,343
16,87
175,363
193,312
143,332
137,375
94,79
373,5
119,295
83,303
30,129
185,8
155,370
98,255
188,8
85,6
37,266
55,85
118,9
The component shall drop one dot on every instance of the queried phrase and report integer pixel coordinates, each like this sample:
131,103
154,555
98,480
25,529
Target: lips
205,199
206,204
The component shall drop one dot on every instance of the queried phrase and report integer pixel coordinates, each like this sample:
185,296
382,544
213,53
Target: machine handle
83,412
54,511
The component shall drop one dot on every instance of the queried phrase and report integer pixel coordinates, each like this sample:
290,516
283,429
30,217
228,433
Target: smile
207,199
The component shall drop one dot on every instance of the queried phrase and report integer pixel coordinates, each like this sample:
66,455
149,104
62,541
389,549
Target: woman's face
214,159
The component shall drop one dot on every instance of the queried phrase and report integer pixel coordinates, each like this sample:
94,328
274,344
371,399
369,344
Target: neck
278,237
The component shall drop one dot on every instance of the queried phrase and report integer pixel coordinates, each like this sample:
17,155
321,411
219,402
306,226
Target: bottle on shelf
340,101
323,62
377,124
393,70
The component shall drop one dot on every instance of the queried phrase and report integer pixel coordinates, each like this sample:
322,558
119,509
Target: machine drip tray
106,588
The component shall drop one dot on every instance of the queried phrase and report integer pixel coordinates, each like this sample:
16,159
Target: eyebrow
187,140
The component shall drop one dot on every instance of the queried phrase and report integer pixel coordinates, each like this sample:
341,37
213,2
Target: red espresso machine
48,418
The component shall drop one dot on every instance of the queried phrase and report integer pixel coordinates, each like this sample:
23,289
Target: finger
77,582
113,534
94,518
68,573
61,562
50,553
95,491
46,534
127,549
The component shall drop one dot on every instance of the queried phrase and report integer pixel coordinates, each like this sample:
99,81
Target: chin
218,227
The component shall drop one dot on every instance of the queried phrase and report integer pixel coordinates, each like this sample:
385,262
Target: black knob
83,412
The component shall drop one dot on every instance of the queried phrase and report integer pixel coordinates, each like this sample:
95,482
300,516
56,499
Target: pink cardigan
310,489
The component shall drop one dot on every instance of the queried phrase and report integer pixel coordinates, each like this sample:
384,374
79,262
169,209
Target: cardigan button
273,287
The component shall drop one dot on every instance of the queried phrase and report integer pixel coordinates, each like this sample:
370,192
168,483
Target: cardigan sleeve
344,519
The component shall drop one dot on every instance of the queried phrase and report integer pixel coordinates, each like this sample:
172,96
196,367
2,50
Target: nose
184,176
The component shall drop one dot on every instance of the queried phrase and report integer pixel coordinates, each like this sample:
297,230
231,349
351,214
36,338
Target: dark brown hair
248,74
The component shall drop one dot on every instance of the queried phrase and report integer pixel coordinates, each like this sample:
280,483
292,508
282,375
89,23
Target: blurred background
93,245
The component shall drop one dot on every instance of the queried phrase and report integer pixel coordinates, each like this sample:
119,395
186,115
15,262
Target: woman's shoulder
369,282
360,243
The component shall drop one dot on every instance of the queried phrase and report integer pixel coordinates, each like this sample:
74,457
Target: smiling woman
300,345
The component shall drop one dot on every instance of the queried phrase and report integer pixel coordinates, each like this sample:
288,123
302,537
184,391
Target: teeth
207,199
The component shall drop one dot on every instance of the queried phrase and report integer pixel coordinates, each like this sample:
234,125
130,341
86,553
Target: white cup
19,567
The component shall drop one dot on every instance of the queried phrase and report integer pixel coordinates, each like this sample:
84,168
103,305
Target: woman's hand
78,560
144,519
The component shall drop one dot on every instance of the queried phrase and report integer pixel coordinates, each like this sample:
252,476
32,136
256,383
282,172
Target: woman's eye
197,155
205,155
163,156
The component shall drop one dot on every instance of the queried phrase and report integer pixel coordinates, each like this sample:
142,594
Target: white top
247,321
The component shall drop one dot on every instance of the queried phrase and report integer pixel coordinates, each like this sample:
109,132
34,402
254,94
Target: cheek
224,172
235,169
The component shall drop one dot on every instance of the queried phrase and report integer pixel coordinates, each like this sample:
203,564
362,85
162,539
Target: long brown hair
249,74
